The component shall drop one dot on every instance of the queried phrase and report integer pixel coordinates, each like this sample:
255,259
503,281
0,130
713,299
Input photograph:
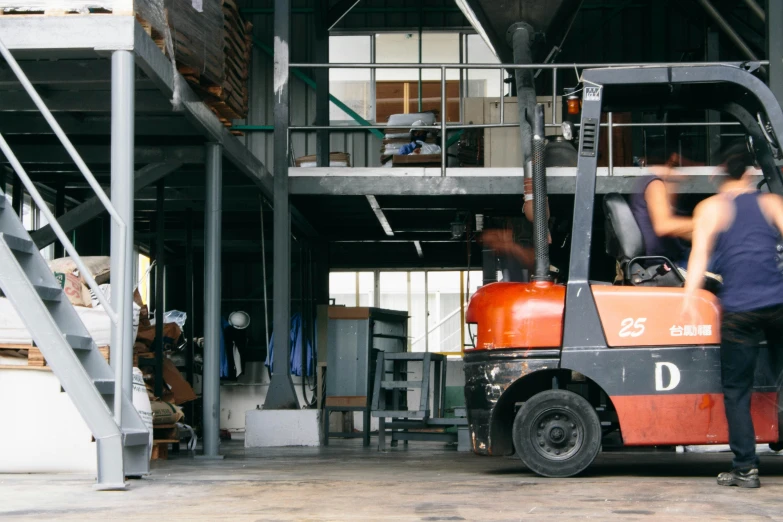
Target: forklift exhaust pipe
540,228
520,38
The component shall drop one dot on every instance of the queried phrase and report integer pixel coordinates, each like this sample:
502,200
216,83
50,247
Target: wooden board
409,160
347,401
36,358
348,312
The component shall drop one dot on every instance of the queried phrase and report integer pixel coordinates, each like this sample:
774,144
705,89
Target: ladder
64,341
122,439
389,399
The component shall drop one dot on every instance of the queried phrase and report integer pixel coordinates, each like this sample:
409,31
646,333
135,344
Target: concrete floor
422,482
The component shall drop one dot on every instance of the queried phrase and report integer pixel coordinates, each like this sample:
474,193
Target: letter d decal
674,373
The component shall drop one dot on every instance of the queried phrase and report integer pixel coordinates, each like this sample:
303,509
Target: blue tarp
295,362
223,357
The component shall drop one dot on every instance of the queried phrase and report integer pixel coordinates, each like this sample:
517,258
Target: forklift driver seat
625,243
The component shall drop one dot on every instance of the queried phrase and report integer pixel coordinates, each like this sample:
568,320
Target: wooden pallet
36,358
53,11
222,86
162,436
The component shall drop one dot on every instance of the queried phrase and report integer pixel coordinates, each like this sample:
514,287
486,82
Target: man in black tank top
740,226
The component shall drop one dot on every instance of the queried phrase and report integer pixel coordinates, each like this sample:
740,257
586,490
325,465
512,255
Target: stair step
391,385
395,413
135,437
79,342
104,386
48,293
3,200
18,244
413,356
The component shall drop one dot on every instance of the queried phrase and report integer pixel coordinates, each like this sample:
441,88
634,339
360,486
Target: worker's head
737,158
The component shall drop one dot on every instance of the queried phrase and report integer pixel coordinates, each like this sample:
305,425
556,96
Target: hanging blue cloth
295,362
223,357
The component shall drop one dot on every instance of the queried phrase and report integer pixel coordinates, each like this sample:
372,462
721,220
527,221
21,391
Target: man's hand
689,313
498,240
502,242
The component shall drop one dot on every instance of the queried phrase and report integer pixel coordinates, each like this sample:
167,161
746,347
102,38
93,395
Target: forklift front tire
557,433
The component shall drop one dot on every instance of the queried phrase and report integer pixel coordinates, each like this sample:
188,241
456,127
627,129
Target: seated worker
664,231
418,138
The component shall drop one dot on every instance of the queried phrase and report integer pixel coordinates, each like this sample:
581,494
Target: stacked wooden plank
212,49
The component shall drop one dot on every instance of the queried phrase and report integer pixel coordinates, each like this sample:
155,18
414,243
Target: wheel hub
558,434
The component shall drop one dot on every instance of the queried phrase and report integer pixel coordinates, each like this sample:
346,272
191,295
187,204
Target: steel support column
321,55
123,75
212,271
189,308
713,133
775,47
59,210
17,195
281,394
160,282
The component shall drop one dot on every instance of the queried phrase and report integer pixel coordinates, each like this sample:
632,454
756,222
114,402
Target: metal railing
444,127
116,315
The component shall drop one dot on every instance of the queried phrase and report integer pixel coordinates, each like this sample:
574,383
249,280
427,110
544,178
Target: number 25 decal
632,328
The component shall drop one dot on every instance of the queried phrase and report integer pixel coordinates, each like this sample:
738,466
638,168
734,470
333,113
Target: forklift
558,370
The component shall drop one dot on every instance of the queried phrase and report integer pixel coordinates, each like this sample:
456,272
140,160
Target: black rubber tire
776,446
557,433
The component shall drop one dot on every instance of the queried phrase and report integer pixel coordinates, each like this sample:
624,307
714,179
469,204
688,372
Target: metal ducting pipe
520,37
540,229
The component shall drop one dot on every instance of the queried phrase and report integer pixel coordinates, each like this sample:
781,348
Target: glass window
480,83
443,299
472,282
353,87
397,90
366,289
342,288
417,320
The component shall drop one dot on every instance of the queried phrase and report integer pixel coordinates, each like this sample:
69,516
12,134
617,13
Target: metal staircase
122,439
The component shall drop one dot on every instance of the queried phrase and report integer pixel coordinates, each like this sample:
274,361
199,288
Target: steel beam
757,9
33,124
74,33
97,155
337,13
122,141
477,185
93,208
321,55
80,101
73,73
212,280
775,47
281,394
727,29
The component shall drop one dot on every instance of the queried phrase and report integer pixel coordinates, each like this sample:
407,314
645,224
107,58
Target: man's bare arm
665,223
707,223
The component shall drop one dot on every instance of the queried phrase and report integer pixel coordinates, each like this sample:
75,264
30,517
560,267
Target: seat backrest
624,239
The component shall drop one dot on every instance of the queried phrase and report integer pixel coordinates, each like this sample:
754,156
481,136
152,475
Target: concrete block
275,428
